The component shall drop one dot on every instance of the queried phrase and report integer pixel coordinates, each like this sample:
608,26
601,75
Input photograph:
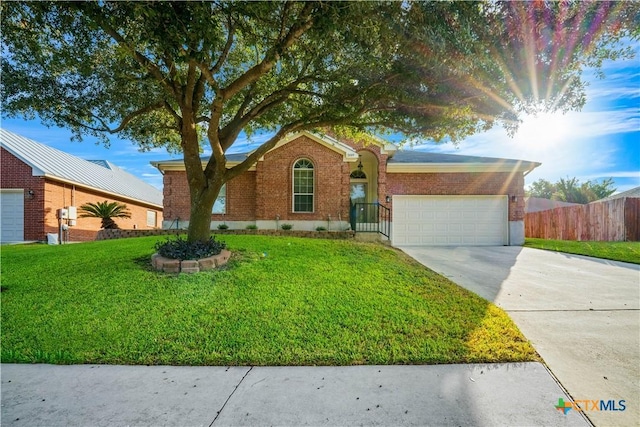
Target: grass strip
616,251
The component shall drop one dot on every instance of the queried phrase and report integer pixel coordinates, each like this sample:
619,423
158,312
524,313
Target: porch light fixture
358,173
387,199
514,198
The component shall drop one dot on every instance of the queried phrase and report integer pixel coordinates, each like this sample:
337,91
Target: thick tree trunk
204,186
202,200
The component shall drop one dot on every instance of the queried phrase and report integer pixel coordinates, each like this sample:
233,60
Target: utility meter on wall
72,212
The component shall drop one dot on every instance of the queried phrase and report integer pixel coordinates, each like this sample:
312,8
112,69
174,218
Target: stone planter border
169,265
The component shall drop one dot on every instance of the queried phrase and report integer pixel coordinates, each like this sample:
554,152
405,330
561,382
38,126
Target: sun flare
543,131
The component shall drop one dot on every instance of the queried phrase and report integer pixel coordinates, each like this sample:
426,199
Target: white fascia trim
385,146
453,167
179,166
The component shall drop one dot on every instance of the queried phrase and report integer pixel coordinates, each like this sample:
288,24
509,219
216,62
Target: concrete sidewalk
480,395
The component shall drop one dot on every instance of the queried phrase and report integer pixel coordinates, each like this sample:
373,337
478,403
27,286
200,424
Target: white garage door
11,216
449,221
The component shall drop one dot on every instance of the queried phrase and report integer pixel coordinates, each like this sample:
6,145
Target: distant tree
189,75
541,188
597,191
106,211
570,190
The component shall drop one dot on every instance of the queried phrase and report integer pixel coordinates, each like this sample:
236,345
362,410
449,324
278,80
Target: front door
358,192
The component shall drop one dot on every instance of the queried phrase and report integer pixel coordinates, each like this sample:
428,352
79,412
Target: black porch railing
370,218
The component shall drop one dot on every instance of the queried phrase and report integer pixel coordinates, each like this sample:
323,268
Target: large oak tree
185,75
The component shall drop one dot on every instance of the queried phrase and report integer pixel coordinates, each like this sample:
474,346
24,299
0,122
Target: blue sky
601,141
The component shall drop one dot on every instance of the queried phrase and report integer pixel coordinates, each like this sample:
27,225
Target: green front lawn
279,301
617,251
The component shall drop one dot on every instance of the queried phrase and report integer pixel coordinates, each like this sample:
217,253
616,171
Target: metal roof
100,175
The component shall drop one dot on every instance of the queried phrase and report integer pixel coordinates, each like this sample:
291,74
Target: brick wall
274,194
58,195
241,200
462,184
14,173
266,192
40,210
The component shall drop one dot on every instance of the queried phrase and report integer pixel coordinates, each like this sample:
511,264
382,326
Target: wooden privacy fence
612,220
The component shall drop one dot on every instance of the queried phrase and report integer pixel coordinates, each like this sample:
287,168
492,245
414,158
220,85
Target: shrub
252,227
182,249
222,226
286,226
321,228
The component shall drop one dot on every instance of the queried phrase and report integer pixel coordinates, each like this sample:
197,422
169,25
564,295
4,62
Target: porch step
371,237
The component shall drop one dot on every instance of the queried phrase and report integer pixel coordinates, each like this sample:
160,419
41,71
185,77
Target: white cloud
612,174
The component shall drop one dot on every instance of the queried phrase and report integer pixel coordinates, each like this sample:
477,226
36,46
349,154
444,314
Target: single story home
312,180
36,181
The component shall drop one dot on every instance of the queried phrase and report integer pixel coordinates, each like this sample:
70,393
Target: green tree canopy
184,75
570,190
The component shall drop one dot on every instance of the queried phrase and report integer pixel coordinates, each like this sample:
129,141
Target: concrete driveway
581,314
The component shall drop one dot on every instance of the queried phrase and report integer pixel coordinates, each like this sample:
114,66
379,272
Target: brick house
311,180
37,180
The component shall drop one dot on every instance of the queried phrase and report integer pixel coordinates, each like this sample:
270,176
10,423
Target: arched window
358,174
303,186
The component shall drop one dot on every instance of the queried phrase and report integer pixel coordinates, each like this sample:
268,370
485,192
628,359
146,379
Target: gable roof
634,192
100,175
348,153
421,161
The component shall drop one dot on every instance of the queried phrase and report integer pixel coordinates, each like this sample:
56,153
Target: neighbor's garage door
449,220
11,216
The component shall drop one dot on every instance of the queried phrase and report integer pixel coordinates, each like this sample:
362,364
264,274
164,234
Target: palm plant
106,211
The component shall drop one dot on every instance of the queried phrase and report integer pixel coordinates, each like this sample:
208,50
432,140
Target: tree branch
231,28
171,111
261,151
189,88
272,56
99,18
104,126
230,132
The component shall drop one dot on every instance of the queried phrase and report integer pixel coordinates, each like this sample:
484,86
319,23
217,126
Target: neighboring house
632,193
537,204
37,180
311,180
